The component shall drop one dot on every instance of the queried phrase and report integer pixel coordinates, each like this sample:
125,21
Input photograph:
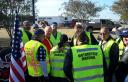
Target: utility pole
33,10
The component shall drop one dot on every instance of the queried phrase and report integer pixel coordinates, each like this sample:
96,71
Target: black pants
58,79
36,79
29,78
121,72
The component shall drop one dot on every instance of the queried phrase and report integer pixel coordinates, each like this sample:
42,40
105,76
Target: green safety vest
57,62
121,47
106,50
56,40
87,63
34,67
24,36
88,35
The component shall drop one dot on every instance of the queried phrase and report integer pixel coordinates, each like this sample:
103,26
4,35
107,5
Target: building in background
61,21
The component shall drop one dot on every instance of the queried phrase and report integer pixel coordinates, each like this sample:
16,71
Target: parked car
98,23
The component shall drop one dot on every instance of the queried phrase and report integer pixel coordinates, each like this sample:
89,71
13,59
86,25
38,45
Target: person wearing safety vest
37,58
121,45
57,56
25,30
122,69
47,41
79,28
85,62
111,52
55,35
26,36
115,33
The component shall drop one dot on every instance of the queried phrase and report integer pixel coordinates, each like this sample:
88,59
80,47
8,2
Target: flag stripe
17,74
18,66
23,58
15,79
10,79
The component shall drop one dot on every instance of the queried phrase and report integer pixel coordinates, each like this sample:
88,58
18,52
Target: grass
5,40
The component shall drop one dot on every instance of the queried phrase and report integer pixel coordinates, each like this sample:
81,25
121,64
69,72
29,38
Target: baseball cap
38,32
124,33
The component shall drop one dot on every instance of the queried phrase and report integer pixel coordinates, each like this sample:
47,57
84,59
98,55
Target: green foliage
8,8
81,9
121,7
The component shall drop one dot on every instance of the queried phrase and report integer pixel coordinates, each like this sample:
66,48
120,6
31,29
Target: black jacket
114,57
68,65
122,68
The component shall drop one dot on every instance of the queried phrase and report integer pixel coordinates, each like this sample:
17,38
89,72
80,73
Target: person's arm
68,65
114,57
41,57
93,39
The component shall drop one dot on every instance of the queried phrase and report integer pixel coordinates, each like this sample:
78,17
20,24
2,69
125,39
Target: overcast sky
51,8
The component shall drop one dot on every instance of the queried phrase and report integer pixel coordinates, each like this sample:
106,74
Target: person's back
84,61
37,56
57,56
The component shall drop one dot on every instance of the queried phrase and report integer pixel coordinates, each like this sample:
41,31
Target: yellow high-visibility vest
34,67
24,36
57,62
87,63
56,40
106,50
121,47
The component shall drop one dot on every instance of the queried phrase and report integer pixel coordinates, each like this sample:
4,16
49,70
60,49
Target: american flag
18,59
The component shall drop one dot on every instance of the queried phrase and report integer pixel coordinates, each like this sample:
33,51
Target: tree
81,9
121,7
8,7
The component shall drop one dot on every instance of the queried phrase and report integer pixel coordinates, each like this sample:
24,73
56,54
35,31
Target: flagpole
33,10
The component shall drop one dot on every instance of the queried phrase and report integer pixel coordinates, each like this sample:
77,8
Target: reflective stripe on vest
121,47
34,68
88,35
56,40
57,62
87,63
24,36
88,68
94,77
106,50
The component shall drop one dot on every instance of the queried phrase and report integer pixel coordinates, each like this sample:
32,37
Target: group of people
52,57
